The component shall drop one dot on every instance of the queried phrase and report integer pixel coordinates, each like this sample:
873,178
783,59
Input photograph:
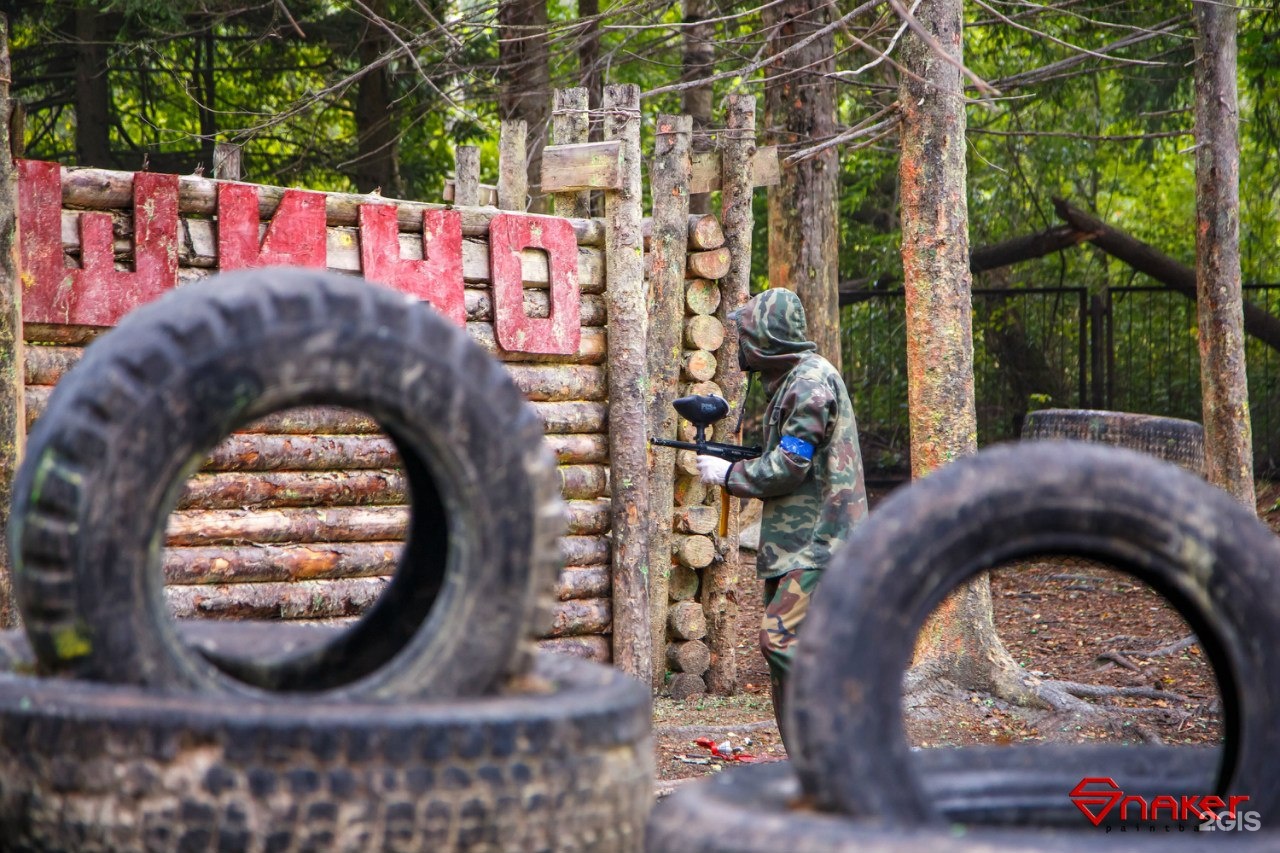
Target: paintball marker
702,410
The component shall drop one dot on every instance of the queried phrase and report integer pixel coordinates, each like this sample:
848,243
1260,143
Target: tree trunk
590,74
377,138
800,109
959,642
93,94
697,101
12,399
1228,441
526,80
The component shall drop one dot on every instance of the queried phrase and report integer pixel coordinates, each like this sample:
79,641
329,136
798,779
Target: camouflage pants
786,602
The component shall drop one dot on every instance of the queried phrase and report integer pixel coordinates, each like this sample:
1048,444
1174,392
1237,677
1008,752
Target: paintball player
809,475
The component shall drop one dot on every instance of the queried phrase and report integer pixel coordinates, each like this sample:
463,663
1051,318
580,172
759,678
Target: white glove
712,469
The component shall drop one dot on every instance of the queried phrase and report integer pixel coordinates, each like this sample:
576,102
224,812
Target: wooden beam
570,124
765,169
584,166
12,400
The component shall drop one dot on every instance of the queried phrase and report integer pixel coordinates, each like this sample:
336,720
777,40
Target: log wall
302,515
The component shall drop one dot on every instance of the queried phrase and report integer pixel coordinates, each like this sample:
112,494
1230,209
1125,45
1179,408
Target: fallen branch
686,731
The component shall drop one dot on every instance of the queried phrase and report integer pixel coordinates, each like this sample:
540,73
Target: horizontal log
56,333
582,166
232,564
701,296
36,398
321,599
268,452
547,383
479,305
572,417
582,616
682,583
592,647
333,524
579,449
101,189
584,550
704,232
315,420
698,365
686,685
591,347
711,264
589,582
587,518
277,526
581,482
198,248
689,491
691,656
695,552
704,388
699,520
686,620
703,332
686,463
45,365
275,489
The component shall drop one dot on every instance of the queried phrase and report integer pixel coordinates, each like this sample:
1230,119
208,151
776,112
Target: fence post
513,177
668,244
466,186
570,125
12,406
628,391
226,162
738,148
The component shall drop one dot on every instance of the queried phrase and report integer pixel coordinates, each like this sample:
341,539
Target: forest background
1088,101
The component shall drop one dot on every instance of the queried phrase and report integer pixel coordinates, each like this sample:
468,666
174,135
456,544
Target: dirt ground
1064,619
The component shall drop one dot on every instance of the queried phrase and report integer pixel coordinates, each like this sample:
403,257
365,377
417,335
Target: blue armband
797,447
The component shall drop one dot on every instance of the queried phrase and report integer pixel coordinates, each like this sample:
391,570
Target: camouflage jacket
810,474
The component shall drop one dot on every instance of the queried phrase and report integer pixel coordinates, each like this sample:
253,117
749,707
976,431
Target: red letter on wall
296,236
437,278
515,330
99,294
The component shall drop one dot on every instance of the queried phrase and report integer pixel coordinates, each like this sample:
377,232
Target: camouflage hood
772,333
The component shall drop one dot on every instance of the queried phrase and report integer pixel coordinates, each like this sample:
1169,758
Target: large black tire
1211,558
761,810
1171,439
106,462
567,766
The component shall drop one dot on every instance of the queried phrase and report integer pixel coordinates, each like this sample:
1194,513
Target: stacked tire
853,783
432,723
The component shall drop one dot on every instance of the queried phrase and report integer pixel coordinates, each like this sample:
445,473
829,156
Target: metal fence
1130,349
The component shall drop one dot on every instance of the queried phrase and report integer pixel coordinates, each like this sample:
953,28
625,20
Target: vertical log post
669,186
466,186
570,125
12,410
628,391
513,179
738,147
226,162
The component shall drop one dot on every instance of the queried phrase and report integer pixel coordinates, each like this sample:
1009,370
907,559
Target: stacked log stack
696,513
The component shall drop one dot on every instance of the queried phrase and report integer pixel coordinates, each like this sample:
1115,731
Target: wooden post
570,125
513,179
669,185
12,409
628,391
737,150
466,187
226,162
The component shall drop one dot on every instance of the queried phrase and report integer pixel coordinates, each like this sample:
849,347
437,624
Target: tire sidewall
1163,525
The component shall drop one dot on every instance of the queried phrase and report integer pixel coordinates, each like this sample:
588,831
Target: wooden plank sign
101,290
765,170
584,166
